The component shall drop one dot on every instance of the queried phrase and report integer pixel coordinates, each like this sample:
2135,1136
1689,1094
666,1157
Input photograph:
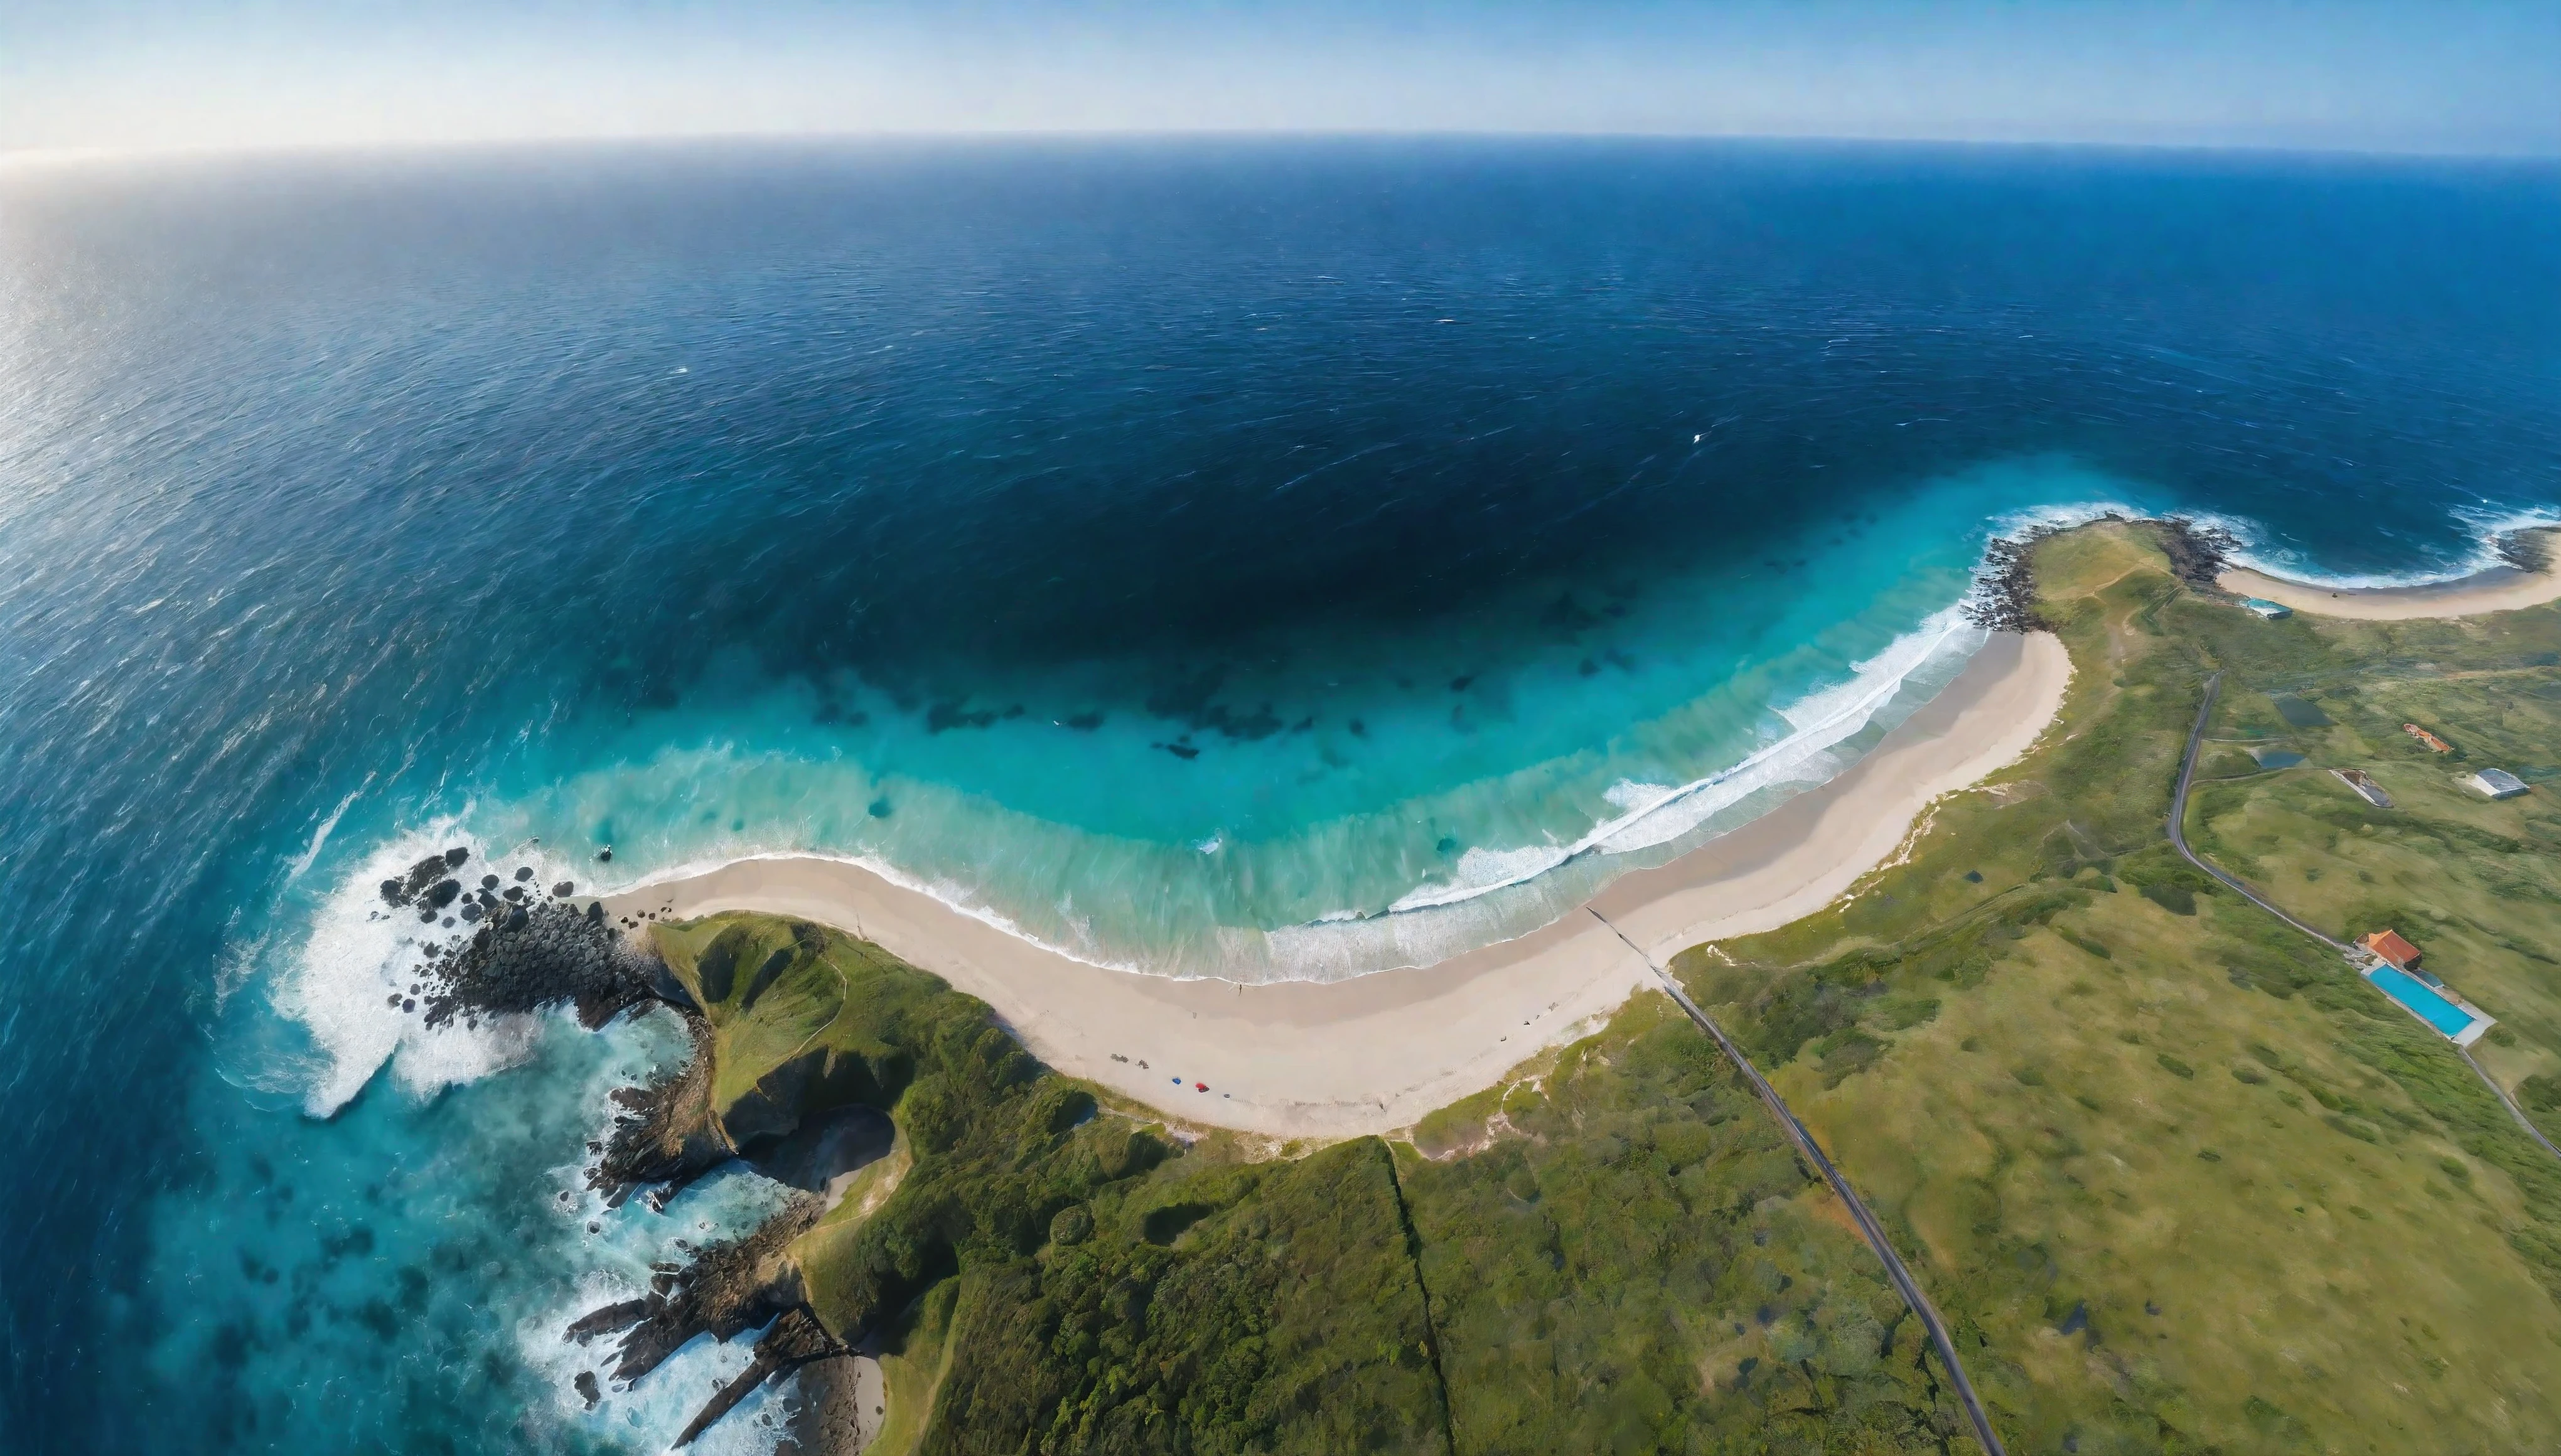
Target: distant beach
2497,589
1376,1053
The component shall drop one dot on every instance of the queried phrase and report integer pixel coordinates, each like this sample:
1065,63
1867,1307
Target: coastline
2497,589
1376,1053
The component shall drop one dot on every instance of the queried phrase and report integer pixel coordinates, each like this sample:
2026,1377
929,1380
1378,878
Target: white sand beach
2498,589
1378,1052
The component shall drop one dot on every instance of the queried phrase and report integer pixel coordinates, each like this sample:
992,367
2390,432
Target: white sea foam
616,1258
320,837
1627,793
1821,721
2490,527
356,958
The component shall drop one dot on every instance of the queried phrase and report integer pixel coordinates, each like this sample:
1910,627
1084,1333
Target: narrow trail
1867,1224
2178,837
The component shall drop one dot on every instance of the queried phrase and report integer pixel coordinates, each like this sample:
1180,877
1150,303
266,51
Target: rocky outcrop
666,1133
2526,551
839,1408
729,1289
2004,596
2197,554
795,1340
531,952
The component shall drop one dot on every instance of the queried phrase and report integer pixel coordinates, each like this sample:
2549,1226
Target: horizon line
37,157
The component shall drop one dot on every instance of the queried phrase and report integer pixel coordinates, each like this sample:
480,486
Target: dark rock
2004,596
795,1340
524,872
729,1289
604,855
472,911
443,893
563,889
456,857
584,1384
488,882
420,876
2197,554
666,1133
880,807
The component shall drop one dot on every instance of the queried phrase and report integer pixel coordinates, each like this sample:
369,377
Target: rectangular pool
2449,1019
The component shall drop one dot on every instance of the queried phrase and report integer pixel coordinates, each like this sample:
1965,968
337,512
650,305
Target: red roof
2389,945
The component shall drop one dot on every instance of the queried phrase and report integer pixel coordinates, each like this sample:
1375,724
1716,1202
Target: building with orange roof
2435,744
2395,951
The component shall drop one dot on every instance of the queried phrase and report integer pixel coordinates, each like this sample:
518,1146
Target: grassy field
2180,1180
1625,1255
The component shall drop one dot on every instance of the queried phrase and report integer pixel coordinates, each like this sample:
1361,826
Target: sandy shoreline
2498,589
1378,1052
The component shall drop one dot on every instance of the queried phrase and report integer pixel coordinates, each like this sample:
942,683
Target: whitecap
1821,721
357,959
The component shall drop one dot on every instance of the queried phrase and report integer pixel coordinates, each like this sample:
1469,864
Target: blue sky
2362,74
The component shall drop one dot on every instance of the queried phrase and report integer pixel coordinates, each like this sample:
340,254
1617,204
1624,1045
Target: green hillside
2179,1178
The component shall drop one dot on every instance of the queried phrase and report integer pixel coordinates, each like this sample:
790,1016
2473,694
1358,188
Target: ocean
1261,559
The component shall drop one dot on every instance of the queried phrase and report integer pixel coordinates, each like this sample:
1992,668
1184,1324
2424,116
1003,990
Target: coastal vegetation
2178,1177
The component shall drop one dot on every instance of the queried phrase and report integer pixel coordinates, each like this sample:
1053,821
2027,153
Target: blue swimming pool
2430,1007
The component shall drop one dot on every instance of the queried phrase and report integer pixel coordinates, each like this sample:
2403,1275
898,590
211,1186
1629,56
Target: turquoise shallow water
1269,560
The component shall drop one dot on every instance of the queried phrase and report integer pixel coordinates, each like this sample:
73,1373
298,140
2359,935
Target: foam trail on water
2491,529
1822,721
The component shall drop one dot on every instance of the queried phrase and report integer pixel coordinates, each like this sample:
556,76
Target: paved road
2179,822
2178,837
1867,1223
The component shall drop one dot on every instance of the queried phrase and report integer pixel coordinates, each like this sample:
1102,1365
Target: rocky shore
520,948
2197,554
2004,595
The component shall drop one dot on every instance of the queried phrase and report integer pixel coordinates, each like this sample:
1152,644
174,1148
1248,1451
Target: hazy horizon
158,76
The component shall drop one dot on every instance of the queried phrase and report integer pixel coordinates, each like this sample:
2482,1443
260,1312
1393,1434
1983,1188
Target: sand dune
1377,1052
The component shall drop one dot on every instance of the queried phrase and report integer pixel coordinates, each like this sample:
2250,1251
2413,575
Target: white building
2497,783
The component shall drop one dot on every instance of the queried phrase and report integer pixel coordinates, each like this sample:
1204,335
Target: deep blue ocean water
1189,553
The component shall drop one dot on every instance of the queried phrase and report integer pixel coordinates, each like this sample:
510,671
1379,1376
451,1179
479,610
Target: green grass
912,1365
1625,1255
1062,1278
2179,1178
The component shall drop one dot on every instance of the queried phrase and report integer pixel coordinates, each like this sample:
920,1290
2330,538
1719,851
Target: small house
2497,783
2431,741
2266,608
2396,952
